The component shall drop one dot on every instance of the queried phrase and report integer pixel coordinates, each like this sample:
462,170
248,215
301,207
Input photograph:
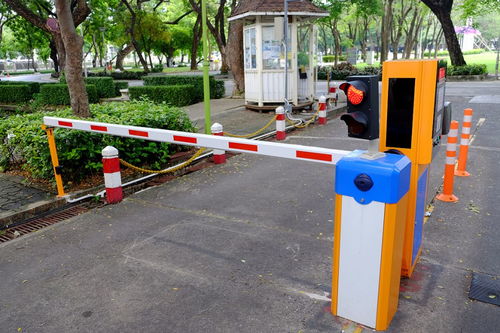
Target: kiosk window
400,113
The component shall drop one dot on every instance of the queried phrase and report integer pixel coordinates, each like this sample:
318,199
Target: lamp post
206,64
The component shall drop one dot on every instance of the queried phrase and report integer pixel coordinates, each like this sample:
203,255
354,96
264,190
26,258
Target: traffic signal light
362,106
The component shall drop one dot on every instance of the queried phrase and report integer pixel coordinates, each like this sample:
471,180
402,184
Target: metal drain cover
485,288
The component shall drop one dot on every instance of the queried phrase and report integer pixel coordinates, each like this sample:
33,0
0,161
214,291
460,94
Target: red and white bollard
219,155
280,123
112,176
322,110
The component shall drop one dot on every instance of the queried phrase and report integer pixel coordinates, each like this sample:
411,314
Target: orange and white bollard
322,110
280,123
464,144
219,155
449,168
112,175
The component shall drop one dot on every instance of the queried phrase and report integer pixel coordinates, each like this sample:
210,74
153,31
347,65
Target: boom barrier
290,151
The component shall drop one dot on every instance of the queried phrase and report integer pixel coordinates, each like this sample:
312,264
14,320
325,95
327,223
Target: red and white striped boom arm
296,152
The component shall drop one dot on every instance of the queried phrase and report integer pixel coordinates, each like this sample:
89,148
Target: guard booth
264,52
413,118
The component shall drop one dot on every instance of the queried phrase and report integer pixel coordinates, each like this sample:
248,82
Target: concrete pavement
246,247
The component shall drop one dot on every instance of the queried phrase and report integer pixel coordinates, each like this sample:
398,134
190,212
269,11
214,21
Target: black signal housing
362,117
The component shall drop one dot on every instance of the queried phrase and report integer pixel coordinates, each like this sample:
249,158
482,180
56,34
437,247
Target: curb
30,210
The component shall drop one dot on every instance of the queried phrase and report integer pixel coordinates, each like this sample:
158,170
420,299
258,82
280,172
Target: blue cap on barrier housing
386,179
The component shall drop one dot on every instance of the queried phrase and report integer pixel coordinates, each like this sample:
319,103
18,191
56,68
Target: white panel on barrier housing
359,263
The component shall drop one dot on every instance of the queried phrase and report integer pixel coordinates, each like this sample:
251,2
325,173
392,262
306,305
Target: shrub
125,75
157,68
15,93
80,152
478,69
58,94
120,85
195,80
331,58
105,86
343,70
179,95
220,89
33,86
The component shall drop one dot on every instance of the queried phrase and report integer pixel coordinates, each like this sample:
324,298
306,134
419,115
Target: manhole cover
485,288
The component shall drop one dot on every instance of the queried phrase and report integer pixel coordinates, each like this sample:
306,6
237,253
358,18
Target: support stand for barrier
219,156
464,145
370,212
449,169
280,123
55,161
112,175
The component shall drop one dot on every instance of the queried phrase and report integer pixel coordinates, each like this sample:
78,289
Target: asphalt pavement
247,247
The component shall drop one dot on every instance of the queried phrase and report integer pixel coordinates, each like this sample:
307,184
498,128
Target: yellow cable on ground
178,167
307,123
251,134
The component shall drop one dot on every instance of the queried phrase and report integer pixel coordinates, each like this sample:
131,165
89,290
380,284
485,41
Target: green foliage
33,86
179,95
80,152
446,53
195,80
58,94
157,68
105,86
343,70
331,58
15,93
126,75
120,85
477,69
219,90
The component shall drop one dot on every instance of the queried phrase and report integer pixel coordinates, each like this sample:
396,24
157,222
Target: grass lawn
487,58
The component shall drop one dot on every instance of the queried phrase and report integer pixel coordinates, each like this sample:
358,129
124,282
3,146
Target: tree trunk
73,43
53,55
122,53
235,55
385,30
196,43
442,10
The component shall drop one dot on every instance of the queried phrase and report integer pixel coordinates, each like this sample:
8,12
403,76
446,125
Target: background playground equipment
464,144
412,121
449,168
369,184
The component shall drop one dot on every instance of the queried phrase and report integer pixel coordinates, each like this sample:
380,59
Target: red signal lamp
355,91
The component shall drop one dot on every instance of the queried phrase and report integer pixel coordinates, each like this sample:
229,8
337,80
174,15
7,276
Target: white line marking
480,123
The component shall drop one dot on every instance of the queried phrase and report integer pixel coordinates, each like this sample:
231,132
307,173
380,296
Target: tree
73,44
235,50
442,10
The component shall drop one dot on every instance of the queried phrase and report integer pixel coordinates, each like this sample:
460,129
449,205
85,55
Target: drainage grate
485,288
38,223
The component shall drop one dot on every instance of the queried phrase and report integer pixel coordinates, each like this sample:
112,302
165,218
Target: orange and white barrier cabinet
412,119
370,211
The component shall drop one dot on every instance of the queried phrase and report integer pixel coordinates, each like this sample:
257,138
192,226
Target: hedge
58,94
105,86
195,80
80,152
15,93
478,69
120,85
34,86
343,70
125,75
179,95
331,58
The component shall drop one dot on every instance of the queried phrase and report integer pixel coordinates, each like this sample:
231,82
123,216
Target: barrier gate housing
413,117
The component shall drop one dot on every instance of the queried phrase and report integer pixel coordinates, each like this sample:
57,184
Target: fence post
280,123
112,175
449,168
464,144
219,155
322,110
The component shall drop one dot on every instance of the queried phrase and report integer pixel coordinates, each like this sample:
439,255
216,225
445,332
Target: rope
254,133
172,169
